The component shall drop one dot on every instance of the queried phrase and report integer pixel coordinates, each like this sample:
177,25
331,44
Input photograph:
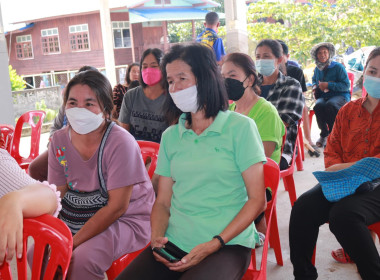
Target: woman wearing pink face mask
141,111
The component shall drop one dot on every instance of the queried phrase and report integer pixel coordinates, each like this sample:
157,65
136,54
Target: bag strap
103,187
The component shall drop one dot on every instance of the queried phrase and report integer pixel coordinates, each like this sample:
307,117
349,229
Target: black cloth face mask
235,88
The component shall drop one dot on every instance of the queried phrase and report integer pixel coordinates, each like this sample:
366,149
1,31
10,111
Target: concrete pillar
236,26
106,27
6,100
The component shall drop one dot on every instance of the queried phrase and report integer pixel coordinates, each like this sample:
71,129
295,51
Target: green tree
17,82
182,32
304,25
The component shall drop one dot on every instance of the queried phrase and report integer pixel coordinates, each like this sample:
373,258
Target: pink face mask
151,76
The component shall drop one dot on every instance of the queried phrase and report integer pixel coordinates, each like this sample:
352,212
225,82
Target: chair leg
313,257
311,114
290,187
300,148
274,239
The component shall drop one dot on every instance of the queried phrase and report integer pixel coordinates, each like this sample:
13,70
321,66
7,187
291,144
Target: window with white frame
50,41
24,47
79,39
121,34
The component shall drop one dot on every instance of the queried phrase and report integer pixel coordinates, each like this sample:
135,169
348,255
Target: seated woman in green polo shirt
211,185
240,75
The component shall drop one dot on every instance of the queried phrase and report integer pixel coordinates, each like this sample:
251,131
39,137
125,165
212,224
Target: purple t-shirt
122,166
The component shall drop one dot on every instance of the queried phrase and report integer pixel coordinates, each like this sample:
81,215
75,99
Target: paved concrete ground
327,267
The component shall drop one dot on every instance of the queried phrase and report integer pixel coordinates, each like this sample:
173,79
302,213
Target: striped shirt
13,178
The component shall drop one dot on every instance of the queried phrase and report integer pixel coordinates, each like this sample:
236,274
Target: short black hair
212,18
285,48
212,94
98,83
274,45
127,78
158,54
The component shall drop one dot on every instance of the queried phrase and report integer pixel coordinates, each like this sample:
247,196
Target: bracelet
220,240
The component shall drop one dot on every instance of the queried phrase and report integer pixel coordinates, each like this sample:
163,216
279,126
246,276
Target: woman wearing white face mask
284,92
211,184
141,110
355,136
106,192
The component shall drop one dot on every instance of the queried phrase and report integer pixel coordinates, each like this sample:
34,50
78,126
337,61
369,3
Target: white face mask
187,99
82,120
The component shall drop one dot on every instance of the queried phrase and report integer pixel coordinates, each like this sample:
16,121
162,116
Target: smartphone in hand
170,252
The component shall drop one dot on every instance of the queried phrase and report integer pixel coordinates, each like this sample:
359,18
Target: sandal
261,238
344,258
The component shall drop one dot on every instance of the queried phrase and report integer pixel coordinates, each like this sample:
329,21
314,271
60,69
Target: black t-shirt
296,73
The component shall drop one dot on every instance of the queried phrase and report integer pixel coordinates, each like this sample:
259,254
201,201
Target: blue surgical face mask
265,67
372,86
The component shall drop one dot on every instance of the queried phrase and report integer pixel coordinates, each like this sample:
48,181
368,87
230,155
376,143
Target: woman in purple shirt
106,192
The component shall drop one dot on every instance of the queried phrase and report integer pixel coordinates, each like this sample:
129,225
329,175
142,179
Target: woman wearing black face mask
240,76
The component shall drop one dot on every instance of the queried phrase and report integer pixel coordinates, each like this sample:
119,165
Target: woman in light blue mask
284,92
355,136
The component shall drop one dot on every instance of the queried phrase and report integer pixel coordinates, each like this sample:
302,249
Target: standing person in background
141,112
296,73
283,92
38,168
209,36
133,74
331,88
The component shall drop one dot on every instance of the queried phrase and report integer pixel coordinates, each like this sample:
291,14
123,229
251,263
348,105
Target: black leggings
229,263
348,218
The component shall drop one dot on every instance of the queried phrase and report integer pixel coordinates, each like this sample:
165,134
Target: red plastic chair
45,230
28,117
351,77
374,227
6,136
287,174
149,149
118,266
272,178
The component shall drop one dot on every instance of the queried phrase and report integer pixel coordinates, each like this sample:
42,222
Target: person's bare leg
306,125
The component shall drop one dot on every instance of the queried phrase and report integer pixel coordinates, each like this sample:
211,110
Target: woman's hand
159,242
323,86
11,226
195,256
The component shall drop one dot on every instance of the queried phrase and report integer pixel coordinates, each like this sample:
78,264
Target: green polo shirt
209,189
269,124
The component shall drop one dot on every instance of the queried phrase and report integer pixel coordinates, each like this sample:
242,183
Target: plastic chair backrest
271,179
6,132
28,117
290,169
45,230
283,141
351,77
149,149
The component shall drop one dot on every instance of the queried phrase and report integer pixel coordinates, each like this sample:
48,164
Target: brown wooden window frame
24,47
